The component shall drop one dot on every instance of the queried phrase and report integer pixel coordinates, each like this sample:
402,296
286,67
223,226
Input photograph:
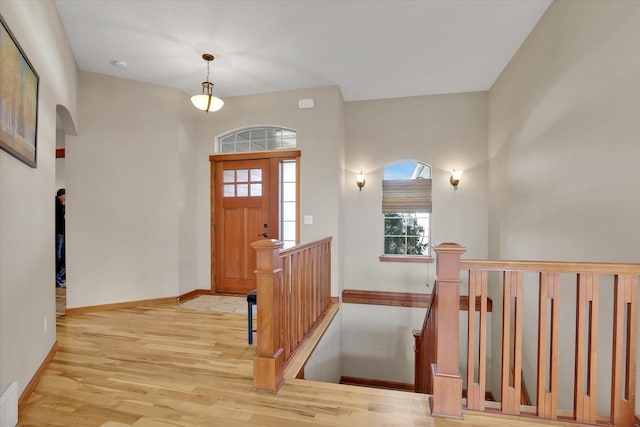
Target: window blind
406,195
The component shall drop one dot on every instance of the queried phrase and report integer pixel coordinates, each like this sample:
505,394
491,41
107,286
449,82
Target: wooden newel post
447,382
267,364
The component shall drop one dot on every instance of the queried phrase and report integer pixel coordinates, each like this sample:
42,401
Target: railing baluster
305,289
286,311
303,296
473,402
476,390
549,294
624,332
511,324
314,282
586,352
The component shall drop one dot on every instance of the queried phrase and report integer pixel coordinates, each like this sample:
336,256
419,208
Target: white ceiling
372,49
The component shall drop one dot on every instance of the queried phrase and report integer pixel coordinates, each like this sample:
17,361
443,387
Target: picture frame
19,85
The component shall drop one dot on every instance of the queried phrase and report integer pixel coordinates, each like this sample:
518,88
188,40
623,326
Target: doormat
218,303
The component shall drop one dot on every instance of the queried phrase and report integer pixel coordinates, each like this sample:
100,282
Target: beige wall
123,192
27,195
447,132
564,131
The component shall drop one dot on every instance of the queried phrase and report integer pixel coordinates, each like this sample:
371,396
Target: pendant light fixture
207,102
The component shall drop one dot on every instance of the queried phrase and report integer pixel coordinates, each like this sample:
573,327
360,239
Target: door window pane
242,175
289,172
288,211
256,190
289,192
256,175
227,147
244,136
243,190
228,190
259,145
289,230
228,176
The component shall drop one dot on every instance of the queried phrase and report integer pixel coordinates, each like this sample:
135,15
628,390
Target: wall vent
9,406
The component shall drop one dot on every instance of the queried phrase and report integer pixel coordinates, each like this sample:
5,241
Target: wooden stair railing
587,277
425,350
293,293
425,344
524,394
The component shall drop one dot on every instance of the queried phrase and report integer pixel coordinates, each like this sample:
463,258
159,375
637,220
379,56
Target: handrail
400,299
588,309
551,266
293,293
304,246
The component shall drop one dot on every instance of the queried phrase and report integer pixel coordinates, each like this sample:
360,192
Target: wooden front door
243,214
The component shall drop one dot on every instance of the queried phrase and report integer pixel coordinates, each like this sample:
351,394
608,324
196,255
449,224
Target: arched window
406,205
263,138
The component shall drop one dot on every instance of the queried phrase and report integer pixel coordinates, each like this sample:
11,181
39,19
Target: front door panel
242,216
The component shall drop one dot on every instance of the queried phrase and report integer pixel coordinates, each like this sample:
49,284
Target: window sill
407,258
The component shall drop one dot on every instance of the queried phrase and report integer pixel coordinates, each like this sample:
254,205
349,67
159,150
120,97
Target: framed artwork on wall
18,100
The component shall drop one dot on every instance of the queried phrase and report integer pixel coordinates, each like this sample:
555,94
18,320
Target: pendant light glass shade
206,101
201,102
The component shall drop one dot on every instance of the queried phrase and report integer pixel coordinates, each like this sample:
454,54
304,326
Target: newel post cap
267,244
450,248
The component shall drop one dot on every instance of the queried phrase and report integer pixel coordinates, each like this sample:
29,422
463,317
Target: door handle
264,234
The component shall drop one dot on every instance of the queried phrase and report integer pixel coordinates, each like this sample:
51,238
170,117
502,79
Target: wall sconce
360,180
455,178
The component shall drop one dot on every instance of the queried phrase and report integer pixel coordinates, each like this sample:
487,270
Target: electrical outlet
45,324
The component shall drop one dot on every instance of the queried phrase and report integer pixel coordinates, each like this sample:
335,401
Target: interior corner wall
447,132
187,197
564,126
123,192
342,148
325,362
27,234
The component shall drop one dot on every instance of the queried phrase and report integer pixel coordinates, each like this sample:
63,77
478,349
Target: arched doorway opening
64,126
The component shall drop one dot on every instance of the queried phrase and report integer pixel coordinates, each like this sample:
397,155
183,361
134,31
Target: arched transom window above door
259,138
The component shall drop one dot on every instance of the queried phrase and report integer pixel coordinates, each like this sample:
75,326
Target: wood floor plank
157,365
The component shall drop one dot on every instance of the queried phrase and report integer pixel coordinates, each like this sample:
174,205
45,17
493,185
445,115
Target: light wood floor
161,366
61,301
